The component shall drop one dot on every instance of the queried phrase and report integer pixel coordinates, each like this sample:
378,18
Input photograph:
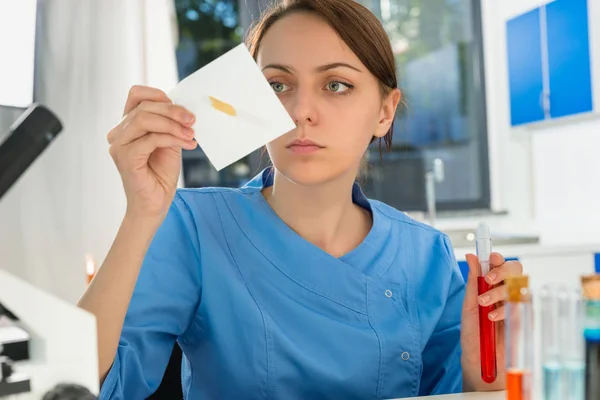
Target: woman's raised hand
146,148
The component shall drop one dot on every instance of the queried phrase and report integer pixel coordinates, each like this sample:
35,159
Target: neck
324,214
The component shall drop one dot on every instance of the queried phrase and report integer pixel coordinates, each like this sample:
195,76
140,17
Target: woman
296,285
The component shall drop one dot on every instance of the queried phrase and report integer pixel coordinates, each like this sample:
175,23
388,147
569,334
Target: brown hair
357,27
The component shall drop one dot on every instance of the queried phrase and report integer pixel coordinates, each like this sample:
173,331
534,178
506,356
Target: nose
303,107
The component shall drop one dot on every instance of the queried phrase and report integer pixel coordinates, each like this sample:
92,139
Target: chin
311,173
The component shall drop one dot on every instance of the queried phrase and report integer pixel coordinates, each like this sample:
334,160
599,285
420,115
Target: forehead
303,40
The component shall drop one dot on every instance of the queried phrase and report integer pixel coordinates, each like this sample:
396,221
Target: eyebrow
322,68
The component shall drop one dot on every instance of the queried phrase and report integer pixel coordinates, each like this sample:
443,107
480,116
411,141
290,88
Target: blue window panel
569,57
597,263
525,68
464,267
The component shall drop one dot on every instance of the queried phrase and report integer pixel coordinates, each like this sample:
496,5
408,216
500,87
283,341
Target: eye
338,87
279,87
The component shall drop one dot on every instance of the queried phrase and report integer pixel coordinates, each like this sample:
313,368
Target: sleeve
164,301
442,370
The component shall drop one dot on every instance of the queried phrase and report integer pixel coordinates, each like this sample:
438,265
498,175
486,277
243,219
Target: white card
236,109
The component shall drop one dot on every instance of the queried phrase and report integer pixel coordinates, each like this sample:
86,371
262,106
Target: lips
303,146
303,143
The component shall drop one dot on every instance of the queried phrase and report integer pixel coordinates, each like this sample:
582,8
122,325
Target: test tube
519,339
562,342
572,345
487,327
590,286
551,354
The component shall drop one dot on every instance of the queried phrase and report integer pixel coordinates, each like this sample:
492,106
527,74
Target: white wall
547,178
70,202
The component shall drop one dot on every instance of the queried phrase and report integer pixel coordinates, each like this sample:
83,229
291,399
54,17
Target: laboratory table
469,396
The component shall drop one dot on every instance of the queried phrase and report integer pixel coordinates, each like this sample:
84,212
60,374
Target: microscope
40,356
28,137
14,347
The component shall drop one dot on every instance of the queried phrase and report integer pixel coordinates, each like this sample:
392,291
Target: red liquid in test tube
487,328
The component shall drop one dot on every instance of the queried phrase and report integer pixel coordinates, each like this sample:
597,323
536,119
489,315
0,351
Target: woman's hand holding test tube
470,338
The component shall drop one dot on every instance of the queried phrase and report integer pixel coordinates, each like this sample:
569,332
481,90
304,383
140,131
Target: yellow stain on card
222,106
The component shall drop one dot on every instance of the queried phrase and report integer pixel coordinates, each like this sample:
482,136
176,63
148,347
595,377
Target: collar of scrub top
371,258
265,179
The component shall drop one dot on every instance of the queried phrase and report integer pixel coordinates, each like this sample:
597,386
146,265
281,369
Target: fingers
129,156
498,295
153,141
493,296
153,117
496,259
169,110
499,314
139,93
143,122
500,270
500,273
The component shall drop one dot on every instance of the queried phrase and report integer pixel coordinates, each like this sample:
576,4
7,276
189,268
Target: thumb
470,304
474,268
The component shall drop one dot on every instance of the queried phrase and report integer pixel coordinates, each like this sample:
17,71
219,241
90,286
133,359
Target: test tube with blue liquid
562,343
571,312
551,355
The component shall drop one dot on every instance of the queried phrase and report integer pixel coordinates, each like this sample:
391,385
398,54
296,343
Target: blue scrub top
261,313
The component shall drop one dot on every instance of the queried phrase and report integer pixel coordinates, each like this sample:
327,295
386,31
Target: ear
388,112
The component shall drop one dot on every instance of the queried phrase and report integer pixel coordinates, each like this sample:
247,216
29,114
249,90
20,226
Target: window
438,49
437,44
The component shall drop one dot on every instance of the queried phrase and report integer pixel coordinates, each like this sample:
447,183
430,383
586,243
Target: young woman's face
335,101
